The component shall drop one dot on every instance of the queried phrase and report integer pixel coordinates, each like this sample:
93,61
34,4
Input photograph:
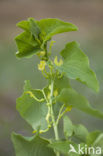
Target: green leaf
56,108
80,132
99,142
64,147
36,33
25,25
50,27
27,85
95,139
71,97
68,127
76,66
32,107
31,26
60,83
26,44
92,137
33,146
34,28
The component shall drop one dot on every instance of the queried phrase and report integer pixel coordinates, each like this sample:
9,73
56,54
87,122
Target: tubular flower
69,108
49,87
55,93
58,63
42,65
42,53
48,96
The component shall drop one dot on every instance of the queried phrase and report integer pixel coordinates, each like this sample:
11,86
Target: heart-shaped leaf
71,97
32,107
52,26
27,45
76,66
31,146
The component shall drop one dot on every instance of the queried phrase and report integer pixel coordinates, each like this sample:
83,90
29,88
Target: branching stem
60,114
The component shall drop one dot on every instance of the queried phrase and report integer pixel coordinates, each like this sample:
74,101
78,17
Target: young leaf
32,107
34,28
33,146
31,26
26,44
80,132
25,25
68,127
71,97
43,29
76,66
50,27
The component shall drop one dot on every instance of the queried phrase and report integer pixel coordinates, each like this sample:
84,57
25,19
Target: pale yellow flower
42,65
34,131
69,108
49,87
42,131
58,63
42,53
48,96
56,93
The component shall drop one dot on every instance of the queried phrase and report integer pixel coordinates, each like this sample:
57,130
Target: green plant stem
60,114
53,118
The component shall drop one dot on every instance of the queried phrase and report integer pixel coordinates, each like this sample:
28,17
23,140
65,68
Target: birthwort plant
43,108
